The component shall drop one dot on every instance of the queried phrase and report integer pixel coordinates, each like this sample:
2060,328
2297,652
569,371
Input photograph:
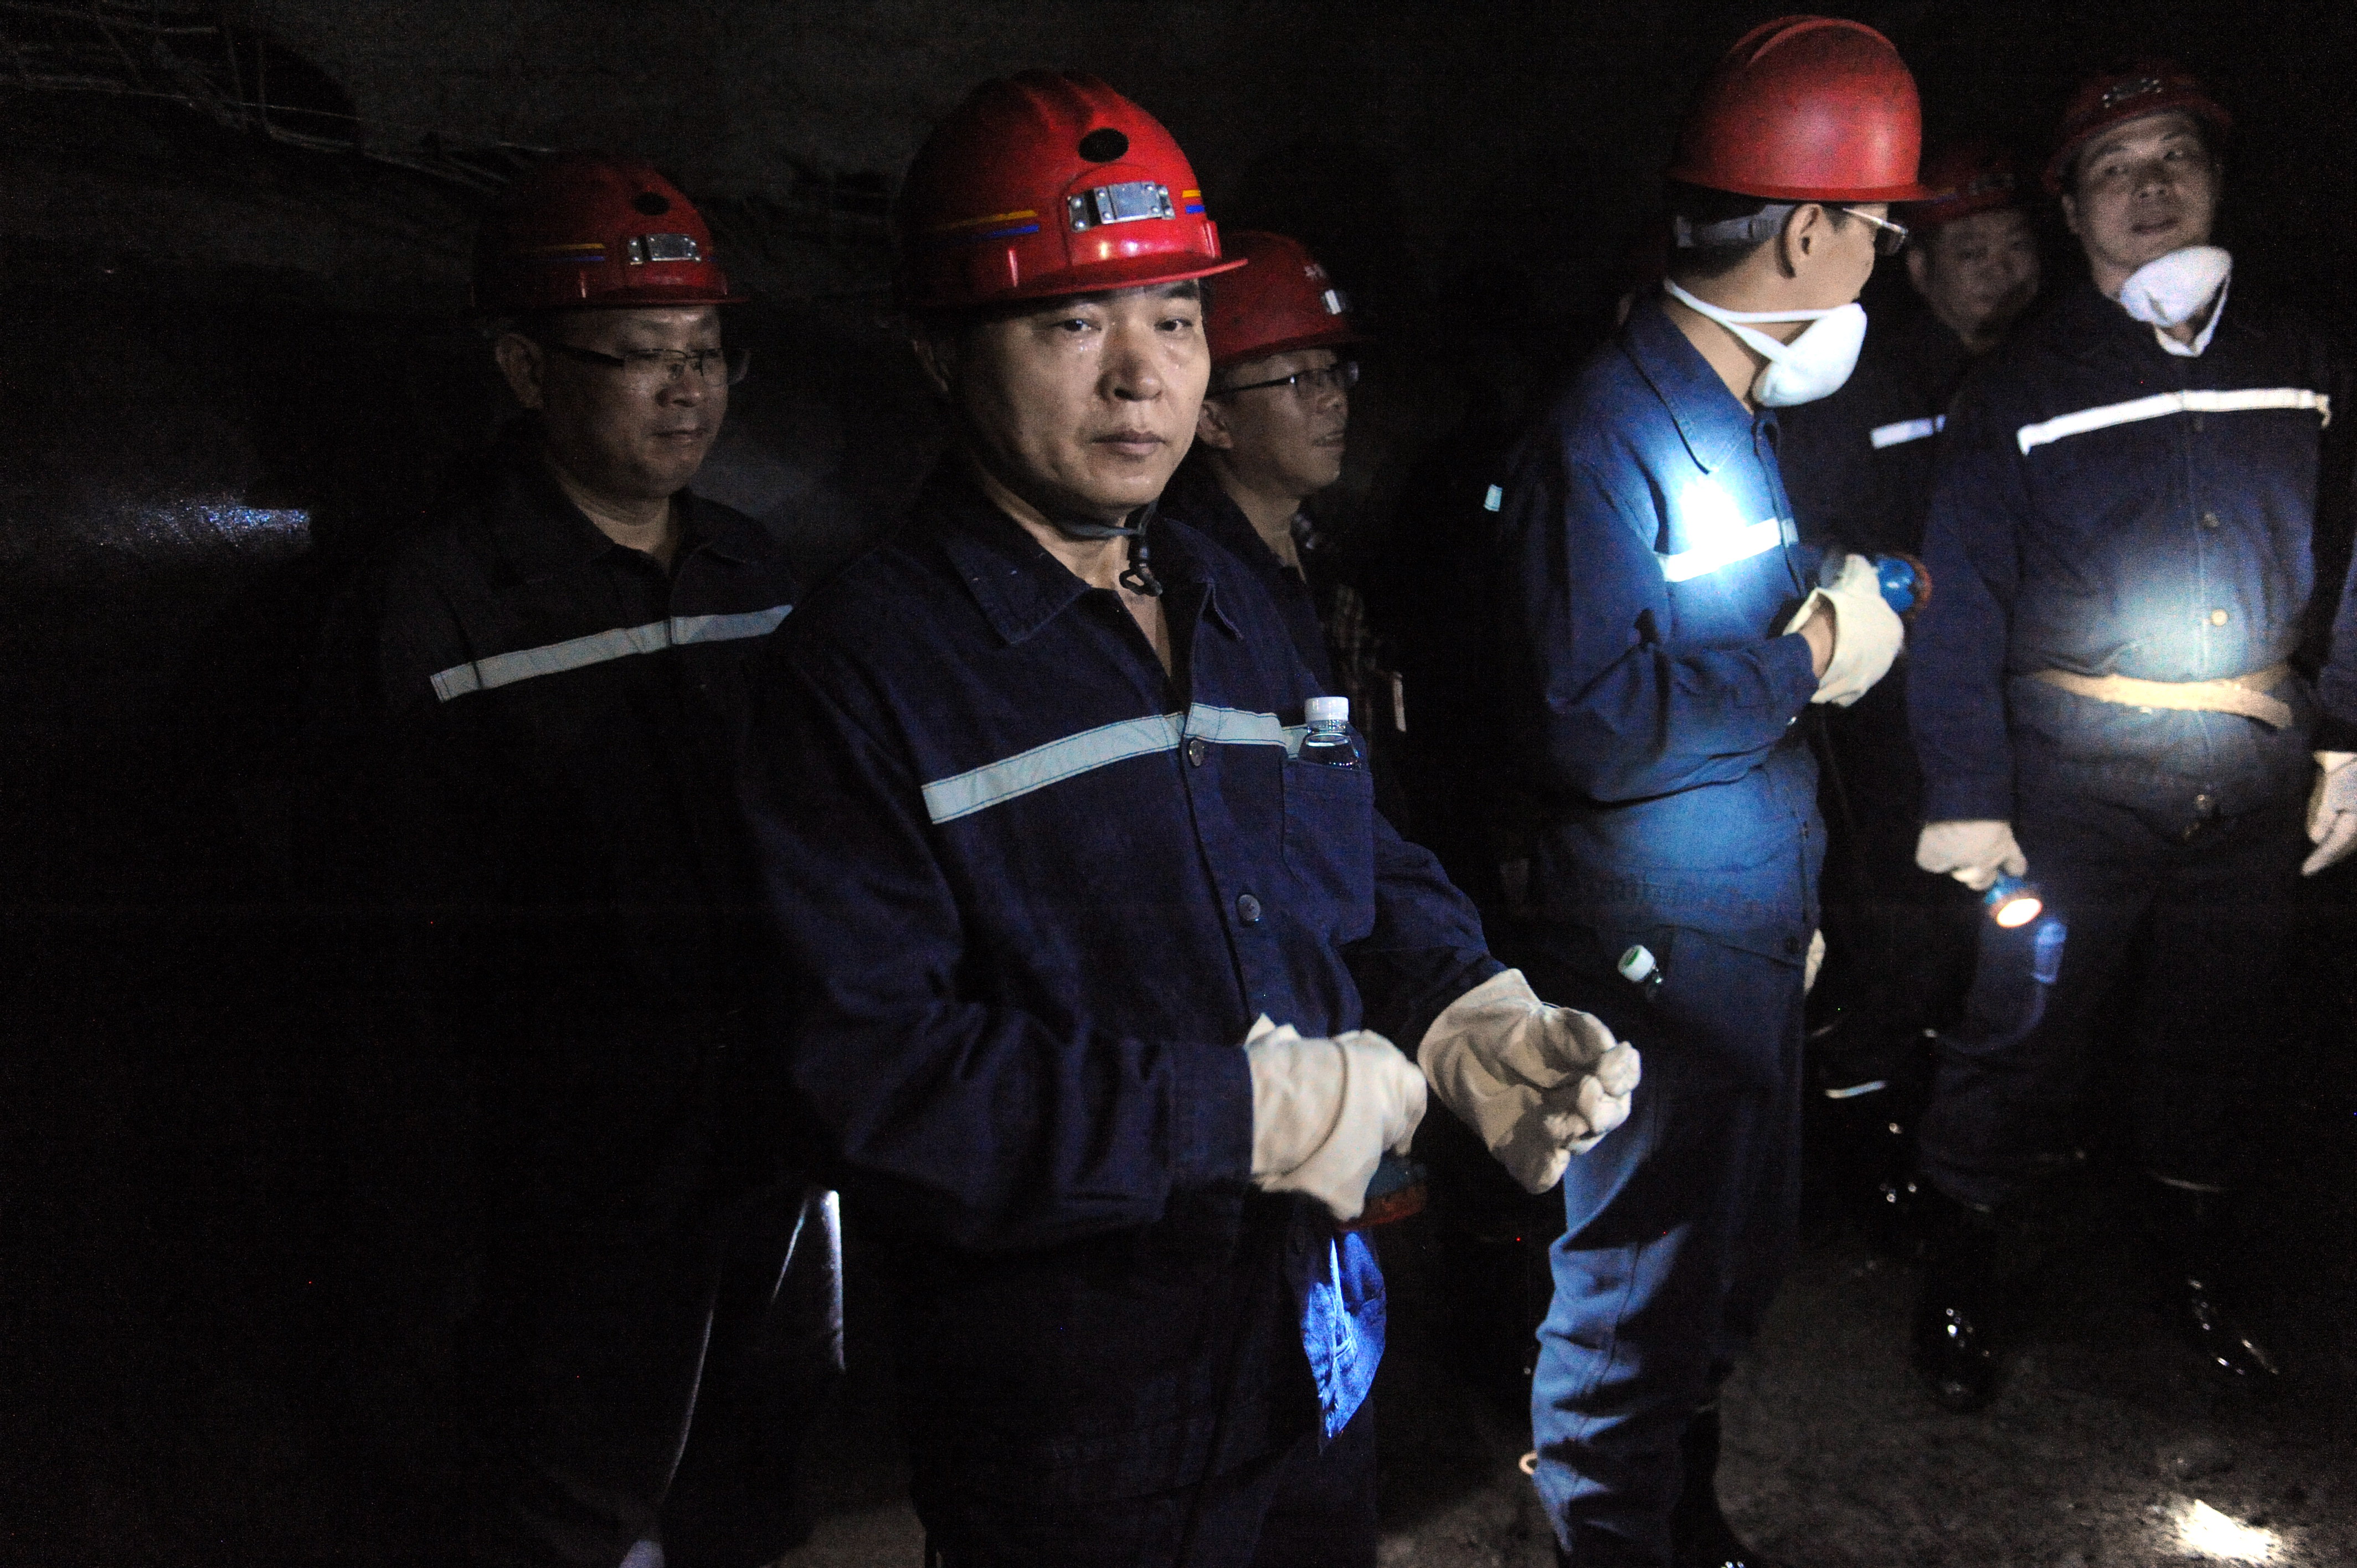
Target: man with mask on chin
1095,957
1859,467
1667,634
2120,545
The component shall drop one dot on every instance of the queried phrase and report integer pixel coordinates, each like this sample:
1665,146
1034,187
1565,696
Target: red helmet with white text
582,231
1806,109
2130,92
1968,177
1283,300
1047,184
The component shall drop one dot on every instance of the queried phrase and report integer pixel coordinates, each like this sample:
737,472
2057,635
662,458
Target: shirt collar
543,533
1016,584
1712,421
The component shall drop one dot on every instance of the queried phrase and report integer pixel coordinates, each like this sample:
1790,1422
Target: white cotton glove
1867,632
1816,962
1974,852
1325,1110
2331,811
1539,1084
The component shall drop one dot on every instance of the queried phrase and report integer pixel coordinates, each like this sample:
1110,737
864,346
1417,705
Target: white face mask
1812,366
2172,290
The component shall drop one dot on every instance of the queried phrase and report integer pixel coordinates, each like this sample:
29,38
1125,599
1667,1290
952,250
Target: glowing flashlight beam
2018,911
2202,1529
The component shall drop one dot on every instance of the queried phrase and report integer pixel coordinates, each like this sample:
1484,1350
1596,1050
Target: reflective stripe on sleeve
2163,405
1906,430
603,646
995,783
1737,545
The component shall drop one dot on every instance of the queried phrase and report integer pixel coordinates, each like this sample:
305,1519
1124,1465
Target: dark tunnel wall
233,362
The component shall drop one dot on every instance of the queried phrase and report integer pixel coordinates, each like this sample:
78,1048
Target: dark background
234,242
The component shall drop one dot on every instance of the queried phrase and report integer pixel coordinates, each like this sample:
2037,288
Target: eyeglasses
1309,384
1888,237
647,369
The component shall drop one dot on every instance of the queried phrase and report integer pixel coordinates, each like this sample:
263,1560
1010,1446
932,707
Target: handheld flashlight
2013,901
1906,583
1395,1192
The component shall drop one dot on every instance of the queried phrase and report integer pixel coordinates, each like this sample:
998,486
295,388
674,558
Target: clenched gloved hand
1538,1083
1866,633
1325,1110
2331,811
1974,852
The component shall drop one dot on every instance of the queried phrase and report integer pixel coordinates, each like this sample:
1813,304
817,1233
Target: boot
1700,1536
1875,1165
1955,1339
2198,1246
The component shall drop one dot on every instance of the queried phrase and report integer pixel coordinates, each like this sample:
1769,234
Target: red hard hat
1283,300
583,231
2130,92
1047,184
1969,178
1806,109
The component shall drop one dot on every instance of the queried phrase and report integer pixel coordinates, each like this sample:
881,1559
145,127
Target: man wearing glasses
1665,642
542,691
1270,435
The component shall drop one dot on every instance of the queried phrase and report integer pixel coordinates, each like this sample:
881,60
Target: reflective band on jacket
2243,694
599,647
1906,430
994,783
1738,545
2163,405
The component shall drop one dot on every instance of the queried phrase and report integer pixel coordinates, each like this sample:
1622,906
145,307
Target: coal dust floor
2107,1447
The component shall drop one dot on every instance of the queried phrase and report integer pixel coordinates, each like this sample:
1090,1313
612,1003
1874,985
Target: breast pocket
1329,840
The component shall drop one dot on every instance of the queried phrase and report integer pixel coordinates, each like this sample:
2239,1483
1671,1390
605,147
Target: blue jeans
1680,1224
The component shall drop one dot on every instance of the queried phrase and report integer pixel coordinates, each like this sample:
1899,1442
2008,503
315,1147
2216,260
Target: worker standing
1666,642
1858,466
1089,923
2121,547
535,707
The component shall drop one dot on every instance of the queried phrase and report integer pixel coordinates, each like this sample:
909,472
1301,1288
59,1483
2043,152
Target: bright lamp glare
2018,911
2202,1529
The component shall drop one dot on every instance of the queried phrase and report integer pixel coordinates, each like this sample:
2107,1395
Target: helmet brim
1096,277
1341,338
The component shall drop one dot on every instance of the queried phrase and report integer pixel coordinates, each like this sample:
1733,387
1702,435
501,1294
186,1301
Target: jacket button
2217,617
1195,750
1248,909
2209,520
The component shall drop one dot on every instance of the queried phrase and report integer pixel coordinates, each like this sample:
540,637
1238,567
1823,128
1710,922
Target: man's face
2141,189
638,431
1840,255
1978,274
1084,406
1280,440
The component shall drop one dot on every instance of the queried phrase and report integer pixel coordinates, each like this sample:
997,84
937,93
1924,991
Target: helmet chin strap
1138,576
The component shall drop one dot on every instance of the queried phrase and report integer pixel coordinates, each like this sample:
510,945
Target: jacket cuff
1211,1116
1968,800
1794,671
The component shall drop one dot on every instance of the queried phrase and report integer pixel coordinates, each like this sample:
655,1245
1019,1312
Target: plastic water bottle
1331,741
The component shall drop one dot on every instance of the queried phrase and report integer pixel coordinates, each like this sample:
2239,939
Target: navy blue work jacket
548,724
2105,507
1031,892
1859,464
1197,498
1648,561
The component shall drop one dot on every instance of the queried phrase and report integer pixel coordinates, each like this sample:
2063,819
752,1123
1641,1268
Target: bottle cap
1326,710
1637,964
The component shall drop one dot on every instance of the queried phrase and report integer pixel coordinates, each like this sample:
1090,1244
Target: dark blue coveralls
1030,892
1650,560
2104,508
1860,466
536,730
